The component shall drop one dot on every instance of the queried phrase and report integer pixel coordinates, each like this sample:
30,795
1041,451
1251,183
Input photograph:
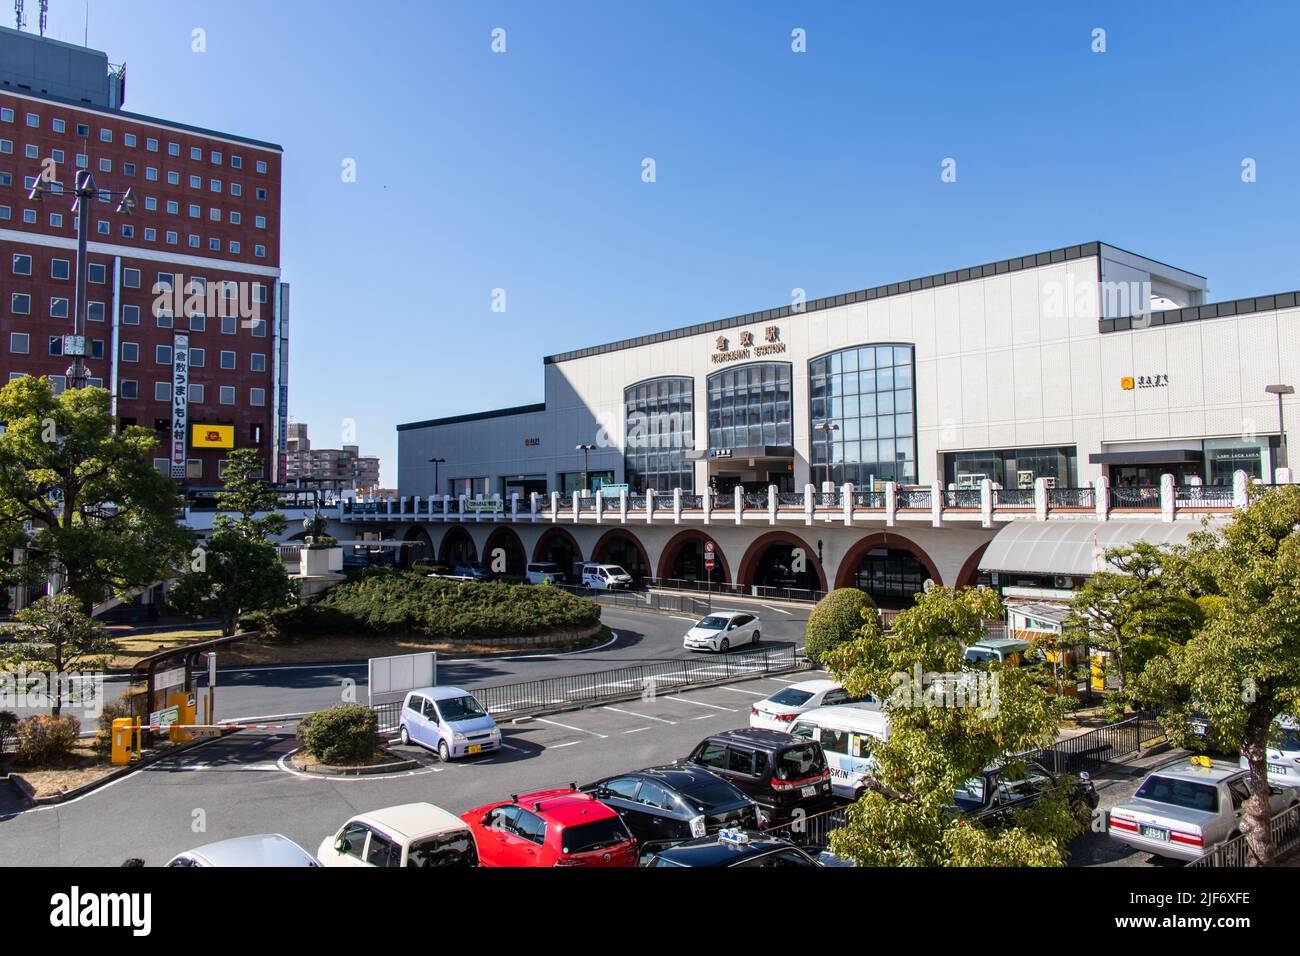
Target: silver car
1283,754
1185,809
266,849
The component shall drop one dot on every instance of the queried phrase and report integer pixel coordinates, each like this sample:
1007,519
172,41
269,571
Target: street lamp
1279,391
827,428
585,449
85,191
436,462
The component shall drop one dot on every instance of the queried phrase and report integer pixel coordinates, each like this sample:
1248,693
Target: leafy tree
96,508
836,619
56,636
1241,670
238,570
938,741
1136,612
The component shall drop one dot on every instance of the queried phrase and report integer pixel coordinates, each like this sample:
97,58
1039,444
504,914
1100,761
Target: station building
940,428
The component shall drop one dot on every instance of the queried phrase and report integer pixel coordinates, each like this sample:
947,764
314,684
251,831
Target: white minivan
544,572
848,735
605,577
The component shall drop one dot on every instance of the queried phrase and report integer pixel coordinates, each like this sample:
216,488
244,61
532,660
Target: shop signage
180,401
165,717
745,346
489,504
212,436
1130,382
719,452
532,442
169,678
614,491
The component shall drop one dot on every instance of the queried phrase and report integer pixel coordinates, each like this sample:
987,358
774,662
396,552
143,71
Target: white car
265,849
605,577
1186,809
721,631
1284,758
779,711
411,834
544,572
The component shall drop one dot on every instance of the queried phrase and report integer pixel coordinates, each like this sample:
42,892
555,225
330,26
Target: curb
330,770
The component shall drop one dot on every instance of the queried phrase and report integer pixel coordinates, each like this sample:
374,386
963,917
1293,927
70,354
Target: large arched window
659,416
865,396
749,406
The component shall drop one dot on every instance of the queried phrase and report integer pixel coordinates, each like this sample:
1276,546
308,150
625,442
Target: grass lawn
80,767
134,647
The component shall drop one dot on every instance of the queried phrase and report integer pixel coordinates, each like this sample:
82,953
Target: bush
836,619
313,619
113,709
347,734
43,738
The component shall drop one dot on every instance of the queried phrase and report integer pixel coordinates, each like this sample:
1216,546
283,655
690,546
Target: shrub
113,709
43,738
8,723
313,618
347,734
836,619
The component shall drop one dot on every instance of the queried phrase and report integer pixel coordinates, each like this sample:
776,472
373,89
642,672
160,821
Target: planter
393,764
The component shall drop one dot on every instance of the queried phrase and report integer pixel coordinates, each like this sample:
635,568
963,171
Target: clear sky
774,170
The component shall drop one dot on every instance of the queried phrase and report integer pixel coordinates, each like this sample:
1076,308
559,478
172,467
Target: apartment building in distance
331,470
188,316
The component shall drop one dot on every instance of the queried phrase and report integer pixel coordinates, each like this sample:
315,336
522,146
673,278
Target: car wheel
444,752
404,736
725,645
755,640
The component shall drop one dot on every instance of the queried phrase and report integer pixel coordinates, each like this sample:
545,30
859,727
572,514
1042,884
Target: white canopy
1073,547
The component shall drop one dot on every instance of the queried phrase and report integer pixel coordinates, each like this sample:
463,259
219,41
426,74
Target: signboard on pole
165,717
169,678
391,677
708,555
180,402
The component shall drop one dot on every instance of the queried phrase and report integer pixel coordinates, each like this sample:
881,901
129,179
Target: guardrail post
577,504
532,504
600,505
514,506
936,504
707,499
891,504
555,506
1240,489
771,504
401,506
677,506
808,504
986,502
1166,498
1040,498
739,498
622,506
649,505
846,502
1101,496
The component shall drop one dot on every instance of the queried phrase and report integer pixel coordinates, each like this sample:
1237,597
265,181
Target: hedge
393,602
44,738
347,734
836,619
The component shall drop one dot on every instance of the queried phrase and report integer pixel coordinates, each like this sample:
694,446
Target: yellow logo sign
212,436
1126,383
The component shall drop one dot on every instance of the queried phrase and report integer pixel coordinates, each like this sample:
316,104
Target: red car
551,828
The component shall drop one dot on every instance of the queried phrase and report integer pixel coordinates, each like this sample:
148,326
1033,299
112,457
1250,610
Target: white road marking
702,717
631,714
556,723
636,730
778,610
700,703
571,743
737,690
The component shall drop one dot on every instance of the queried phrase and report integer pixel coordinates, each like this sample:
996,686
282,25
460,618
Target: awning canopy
1073,547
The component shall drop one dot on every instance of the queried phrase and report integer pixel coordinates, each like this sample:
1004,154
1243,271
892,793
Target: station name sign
723,351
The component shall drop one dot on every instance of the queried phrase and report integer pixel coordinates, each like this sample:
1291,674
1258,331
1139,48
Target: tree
56,636
1241,670
946,725
97,509
1135,612
237,570
836,619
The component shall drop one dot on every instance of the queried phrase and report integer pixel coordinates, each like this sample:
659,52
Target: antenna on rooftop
19,20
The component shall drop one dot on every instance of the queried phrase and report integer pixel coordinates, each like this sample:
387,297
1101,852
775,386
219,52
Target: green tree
1242,668
837,619
938,741
96,508
1135,612
55,635
237,570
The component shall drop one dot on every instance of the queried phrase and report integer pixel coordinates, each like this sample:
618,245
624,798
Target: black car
734,848
666,805
780,772
993,797
469,569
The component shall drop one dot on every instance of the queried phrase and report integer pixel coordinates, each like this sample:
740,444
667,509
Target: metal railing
962,498
754,500
636,503
1285,829
812,832
790,499
1094,750
869,499
1013,497
1070,498
692,502
1135,496
1203,496
914,499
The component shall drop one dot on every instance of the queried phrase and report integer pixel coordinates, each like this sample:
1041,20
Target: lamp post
585,449
435,462
827,428
1279,391
86,192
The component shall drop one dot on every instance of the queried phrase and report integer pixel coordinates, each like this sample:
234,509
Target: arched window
749,406
660,428
862,415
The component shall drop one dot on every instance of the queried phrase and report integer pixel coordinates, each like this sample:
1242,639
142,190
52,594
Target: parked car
666,805
266,849
544,572
721,631
1001,650
1283,754
781,773
448,720
605,577
429,566
412,834
849,735
473,570
778,711
1185,809
995,796
551,828
734,848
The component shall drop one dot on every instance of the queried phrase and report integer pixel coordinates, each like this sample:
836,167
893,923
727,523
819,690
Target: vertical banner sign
180,401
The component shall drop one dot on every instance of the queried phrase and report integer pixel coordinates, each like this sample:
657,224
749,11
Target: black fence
1095,750
1070,498
1013,497
813,833
1135,496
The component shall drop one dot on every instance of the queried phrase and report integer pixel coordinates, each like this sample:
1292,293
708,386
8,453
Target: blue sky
775,170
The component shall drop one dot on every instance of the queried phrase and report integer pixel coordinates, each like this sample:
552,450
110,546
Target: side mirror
342,845
1084,776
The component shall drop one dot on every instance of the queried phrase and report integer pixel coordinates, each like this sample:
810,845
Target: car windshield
616,570
545,568
971,795
596,835
978,656
712,623
448,849
708,795
1290,739
791,697
1180,793
799,763
460,708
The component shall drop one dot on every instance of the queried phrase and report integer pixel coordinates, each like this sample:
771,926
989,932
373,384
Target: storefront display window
1223,456
1013,467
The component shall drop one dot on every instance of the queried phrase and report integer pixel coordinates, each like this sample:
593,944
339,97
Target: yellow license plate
474,748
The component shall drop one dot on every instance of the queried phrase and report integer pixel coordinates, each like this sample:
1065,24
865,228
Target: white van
544,572
605,577
848,734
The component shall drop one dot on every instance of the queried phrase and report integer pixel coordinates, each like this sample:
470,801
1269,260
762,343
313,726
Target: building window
198,322
229,324
162,354
56,220
194,466
196,394
83,131
56,345
130,315
173,149
97,273
259,251
196,152
228,360
151,145
236,162
59,125
131,278
1012,467
198,357
128,139
867,394
227,395
196,182
103,228
128,388
58,307
162,391
22,264
34,120
20,303
257,397
173,178
95,311
105,165
236,218
20,343
261,166
163,318
749,406
105,135
60,268
257,362
214,185
172,237
130,352
659,416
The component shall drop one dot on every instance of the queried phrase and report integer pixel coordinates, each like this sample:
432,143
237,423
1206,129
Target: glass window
857,397
750,406
659,419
